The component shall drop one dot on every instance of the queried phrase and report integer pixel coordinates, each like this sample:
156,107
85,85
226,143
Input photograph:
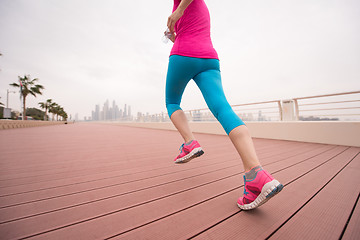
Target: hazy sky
87,51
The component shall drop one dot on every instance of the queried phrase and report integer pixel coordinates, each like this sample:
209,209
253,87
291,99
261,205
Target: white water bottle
167,36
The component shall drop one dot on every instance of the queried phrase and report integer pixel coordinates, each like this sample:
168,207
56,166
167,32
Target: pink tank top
193,32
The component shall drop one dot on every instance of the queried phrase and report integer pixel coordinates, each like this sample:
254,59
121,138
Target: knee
219,109
171,108
241,131
227,117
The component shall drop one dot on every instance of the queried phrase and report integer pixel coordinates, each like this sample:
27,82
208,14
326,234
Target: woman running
194,57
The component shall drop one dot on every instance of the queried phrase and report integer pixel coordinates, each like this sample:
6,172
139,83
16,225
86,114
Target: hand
174,17
172,37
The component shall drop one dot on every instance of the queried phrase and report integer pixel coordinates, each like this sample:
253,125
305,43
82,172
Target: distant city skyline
110,113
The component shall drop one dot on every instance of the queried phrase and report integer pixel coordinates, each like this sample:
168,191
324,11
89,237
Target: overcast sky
87,51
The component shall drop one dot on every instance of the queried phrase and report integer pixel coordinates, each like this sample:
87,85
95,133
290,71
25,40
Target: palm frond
35,89
14,85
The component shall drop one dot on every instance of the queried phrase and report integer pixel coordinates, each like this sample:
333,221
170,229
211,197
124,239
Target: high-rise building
106,110
129,112
117,113
121,114
125,112
97,113
113,111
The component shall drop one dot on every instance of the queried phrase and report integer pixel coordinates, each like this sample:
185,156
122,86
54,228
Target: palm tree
63,114
56,111
59,111
52,109
27,86
46,105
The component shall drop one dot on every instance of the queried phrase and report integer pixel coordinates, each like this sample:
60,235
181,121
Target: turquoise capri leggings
206,74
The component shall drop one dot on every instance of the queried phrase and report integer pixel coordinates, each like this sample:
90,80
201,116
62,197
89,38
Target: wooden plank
264,220
81,197
34,183
116,190
78,167
196,201
53,199
88,186
98,160
352,231
242,225
325,216
128,218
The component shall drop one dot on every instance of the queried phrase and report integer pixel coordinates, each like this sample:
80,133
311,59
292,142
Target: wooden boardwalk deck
93,181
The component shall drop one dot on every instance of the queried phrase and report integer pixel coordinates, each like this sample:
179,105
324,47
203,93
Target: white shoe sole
269,190
196,152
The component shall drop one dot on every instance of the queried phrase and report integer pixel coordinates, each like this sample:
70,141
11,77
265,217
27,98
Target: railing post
296,109
280,110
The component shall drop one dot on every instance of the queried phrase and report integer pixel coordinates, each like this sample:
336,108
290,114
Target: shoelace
182,146
245,192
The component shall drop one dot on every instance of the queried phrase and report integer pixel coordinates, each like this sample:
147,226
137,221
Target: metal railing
329,107
255,111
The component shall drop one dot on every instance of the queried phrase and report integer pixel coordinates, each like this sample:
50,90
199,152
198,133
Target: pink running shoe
189,151
258,188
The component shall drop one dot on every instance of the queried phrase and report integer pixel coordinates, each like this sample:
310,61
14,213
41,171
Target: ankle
251,174
248,167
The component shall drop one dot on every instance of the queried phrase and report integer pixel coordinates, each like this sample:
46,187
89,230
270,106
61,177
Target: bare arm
176,15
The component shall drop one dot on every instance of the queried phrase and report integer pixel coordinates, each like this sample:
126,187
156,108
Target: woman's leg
243,143
180,121
180,71
178,75
259,185
210,85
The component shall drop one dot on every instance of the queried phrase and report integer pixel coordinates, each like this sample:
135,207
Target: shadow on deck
94,181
